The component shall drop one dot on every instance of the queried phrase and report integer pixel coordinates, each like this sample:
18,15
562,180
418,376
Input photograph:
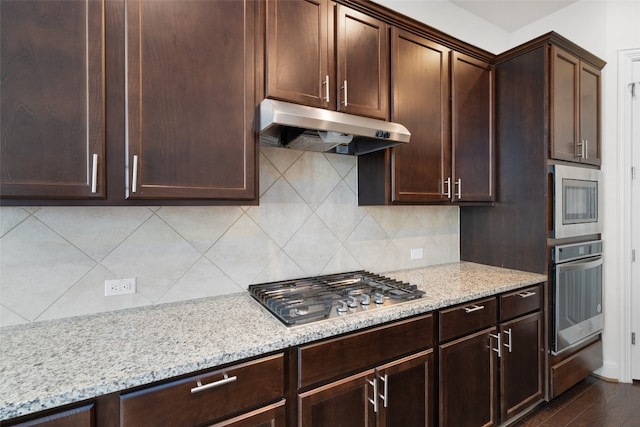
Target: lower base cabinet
83,416
490,361
396,394
269,416
380,377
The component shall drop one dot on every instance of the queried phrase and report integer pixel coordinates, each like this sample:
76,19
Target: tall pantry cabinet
530,116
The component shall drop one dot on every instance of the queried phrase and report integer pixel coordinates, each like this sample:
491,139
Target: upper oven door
576,201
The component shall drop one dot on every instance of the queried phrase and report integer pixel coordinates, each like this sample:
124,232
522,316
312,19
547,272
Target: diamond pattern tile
54,260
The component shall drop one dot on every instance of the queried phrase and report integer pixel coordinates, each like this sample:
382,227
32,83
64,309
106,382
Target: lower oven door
577,301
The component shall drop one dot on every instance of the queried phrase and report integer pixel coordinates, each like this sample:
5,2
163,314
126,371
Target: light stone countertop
52,363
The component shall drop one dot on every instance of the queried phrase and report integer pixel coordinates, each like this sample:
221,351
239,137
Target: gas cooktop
306,300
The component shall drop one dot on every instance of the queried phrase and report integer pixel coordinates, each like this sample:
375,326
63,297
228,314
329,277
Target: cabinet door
590,113
52,105
268,416
299,52
191,99
341,403
420,101
472,109
468,378
406,391
521,379
363,64
565,75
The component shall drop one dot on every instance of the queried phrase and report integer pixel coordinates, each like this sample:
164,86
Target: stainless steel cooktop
305,300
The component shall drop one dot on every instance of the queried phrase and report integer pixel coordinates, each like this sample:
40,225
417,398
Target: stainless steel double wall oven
576,268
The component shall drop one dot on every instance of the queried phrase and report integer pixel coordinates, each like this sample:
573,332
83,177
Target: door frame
626,58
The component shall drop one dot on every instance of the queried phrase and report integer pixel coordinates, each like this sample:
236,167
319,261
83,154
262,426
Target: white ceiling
512,15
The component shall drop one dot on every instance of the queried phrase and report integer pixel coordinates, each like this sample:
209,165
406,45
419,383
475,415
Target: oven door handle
579,265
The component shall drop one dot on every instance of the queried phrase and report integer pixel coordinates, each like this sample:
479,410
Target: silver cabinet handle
527,294
448,192
581,149
473,308
326,87
94,174
374,401
498,348
134,181
385,396
345,93
202,387
508,345
586,149
459,184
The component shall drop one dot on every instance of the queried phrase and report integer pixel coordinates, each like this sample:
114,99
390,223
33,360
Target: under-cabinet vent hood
283,124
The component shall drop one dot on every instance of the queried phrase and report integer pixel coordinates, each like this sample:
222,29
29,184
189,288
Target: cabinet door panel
298,52
522,364
52,108
468,374
342,403
590,113
363,52
472,87
564,105
409,391
190,99
420,81
268,416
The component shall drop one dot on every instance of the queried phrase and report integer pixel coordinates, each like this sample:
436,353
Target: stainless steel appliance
576,201
576,294
284,124
300,301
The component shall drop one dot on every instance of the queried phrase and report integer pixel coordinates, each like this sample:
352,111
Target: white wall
453,20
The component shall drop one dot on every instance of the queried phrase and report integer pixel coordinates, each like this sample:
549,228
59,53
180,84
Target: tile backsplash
54,260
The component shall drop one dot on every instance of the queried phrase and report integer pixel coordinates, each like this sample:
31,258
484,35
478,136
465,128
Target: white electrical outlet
416,253
120,286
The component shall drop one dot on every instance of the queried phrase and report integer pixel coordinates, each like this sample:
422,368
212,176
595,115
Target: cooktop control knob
342,306
365,299
352,301
379,298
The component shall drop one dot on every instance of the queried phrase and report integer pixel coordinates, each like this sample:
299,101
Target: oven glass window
580,201
579,296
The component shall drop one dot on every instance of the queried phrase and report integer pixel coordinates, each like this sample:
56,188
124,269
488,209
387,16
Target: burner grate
306,300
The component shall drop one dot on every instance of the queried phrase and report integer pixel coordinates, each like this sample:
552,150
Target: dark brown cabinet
472,124
186,90
269,416
468,367
387,388
83,416
445,99
327,55
491,372
53,99
575,109
522,351
191,100
204,398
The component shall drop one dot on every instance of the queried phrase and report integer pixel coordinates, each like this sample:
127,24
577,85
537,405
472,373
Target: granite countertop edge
53,363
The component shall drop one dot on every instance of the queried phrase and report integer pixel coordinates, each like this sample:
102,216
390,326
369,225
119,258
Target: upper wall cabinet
307,64
191,100
445,99
52,103
575,109
472,124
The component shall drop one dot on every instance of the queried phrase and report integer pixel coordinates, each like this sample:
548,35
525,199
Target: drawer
339,357
521,302
467,318
222,393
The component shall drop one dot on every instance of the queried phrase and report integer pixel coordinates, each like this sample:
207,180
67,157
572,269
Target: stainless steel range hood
284,124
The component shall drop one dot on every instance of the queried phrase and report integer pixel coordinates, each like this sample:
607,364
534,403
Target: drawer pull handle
498,348
473,308
200,387
374,401
527,294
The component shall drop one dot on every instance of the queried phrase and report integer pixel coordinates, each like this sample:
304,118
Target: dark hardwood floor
592,402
